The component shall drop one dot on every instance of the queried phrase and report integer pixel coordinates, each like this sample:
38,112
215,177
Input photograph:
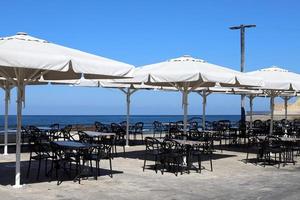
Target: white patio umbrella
276,82
187,73
24,59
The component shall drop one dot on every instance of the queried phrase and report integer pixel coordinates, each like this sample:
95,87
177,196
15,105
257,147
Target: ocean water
45,120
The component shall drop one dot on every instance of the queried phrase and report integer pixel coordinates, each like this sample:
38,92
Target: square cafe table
188,144
77,148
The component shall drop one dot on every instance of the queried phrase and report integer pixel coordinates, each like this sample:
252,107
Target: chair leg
91,166
155,166
144,164
39,169
163,168
211,164
177,169
97,170
199,163
46,166
110,166
279,160
247,157
29,165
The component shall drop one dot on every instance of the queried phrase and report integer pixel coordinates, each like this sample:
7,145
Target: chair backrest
104,149
100,127
152,144
138,127
223,125
273,141
83,137
170,146
258,123
157,126
193,126
54,126
123,123
179,124
66,133
115,128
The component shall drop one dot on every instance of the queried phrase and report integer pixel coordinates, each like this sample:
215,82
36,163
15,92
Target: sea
46,120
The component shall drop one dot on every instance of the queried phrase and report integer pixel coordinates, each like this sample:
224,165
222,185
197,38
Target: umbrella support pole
7,95
251,97
204,95
272,113
128,94
286,99
185,93
127,116
20,94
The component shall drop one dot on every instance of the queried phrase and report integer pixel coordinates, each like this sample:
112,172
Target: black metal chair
172,155
120,139
157,128
101,151
54,133
39,150
153,150
273,145
256,146
64,158
138,130
101,127
65,133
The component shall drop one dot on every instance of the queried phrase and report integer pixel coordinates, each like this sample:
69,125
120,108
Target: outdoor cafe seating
70,154
177,152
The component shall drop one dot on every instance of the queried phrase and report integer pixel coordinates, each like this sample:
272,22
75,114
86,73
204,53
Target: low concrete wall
276,117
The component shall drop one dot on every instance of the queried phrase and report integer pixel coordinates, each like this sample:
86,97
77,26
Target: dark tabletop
71,144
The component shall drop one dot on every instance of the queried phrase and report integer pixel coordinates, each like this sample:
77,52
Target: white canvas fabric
190,71
27,52
276,78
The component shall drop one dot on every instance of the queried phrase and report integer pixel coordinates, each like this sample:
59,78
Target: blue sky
141,32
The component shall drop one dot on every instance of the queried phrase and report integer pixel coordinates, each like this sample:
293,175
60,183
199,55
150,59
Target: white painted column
204,95
285,107
7,95
20,90
251,110
272,112
128,94
185,108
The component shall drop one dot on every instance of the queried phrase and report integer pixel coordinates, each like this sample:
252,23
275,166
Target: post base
17,186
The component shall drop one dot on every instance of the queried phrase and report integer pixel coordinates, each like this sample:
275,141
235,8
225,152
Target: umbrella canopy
190,71
25,59
187,73
276,82
276,78
24,51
